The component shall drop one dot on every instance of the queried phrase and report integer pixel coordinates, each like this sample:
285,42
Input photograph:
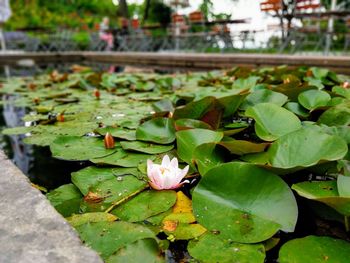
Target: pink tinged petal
166,161
179,185
155,186
174,163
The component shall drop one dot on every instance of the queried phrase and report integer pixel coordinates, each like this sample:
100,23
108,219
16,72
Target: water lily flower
167,175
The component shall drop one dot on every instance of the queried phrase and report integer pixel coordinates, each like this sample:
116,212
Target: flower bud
97,94
36,100
346,85
109,141
60,117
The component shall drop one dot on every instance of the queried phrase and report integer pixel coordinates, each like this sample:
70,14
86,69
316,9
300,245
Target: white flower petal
174,163
166,161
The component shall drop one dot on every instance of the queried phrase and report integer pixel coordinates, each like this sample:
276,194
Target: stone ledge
31,230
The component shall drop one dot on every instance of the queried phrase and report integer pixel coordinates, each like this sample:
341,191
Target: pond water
46,171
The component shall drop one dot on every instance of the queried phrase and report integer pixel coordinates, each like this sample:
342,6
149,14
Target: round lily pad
145,205
316,250
210,248
108,237
257,203
272,121
313,99
79,148
158,130
188,140
306,147
146,147
144,250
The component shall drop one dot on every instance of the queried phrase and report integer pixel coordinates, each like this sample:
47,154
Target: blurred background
249,26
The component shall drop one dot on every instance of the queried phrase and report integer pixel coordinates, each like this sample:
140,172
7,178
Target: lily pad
262,96
325,192
315,249
110,193
158,130
145,205
188,140
79,148
335,116
272,121
313,99
77,220
131,159
66,199
144,250
297,109
89,176
108,237
186,124
207,156
306,147
145,147
120,133
210,248
257,203
241,147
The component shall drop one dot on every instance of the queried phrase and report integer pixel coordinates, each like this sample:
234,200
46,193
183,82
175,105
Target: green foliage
238,130
64,13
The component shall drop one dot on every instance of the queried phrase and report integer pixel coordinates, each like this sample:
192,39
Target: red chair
302,5
271,5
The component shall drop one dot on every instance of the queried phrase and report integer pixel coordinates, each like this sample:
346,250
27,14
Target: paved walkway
31,231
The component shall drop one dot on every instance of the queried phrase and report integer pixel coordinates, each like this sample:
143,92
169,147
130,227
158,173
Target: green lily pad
120,133
131,159
315,249
336,116
207,156
109,193
272,121
186,124
145,205
66,199
108,237
325,192
306,147
241,147
313,99
146,147
262,96
257,203
188,140
158,130
79,148
182,231
144,250
297,109
17,130
90,176
210,248
77,220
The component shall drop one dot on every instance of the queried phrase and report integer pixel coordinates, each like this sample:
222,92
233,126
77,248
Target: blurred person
105,33
5,13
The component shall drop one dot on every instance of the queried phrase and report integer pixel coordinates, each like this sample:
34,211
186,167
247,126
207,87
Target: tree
123,9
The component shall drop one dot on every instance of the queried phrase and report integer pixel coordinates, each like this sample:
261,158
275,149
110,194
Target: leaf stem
346,221
124,199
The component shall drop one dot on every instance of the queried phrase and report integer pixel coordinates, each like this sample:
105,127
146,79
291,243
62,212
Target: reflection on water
35,162
22,154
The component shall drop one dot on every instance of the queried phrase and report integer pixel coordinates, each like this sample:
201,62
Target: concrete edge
31,230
